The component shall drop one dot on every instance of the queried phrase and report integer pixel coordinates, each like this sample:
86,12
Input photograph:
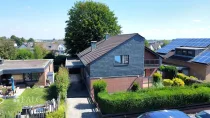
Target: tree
7,49
146,43
165,42
24,54
18,41
39,52
88,21
30,40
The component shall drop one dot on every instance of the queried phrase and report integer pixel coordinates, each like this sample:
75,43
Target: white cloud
196,20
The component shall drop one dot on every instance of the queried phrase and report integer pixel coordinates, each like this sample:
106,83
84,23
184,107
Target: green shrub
158,85
182,76
192,77
135,87
1,100
167,82
52,92
157,77
60,113
99,86
178,82
62,81
146,100
169,71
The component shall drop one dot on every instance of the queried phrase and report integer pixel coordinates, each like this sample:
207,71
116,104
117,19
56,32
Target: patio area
6,92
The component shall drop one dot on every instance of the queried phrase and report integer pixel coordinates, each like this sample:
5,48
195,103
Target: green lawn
29,97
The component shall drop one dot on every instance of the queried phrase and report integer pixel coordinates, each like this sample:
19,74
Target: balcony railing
151,62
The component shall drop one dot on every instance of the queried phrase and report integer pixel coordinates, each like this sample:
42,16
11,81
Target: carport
74,66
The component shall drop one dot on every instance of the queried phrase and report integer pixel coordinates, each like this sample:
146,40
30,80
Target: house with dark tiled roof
120,60
190,55
57,47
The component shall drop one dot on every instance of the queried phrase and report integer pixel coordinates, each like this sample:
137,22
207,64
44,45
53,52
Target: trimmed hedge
99,86
153,99
169,71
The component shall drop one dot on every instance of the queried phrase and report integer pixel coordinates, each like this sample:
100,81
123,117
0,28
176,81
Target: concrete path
79,104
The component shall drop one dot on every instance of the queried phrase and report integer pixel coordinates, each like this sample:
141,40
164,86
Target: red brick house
190,55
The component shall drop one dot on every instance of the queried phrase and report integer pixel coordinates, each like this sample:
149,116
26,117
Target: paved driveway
79,104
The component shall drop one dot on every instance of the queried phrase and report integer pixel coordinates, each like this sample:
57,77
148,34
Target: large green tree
89,21
39,52
24,54
146,43
7,49
17,40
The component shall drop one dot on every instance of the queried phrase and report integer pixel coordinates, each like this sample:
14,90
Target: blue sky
153,19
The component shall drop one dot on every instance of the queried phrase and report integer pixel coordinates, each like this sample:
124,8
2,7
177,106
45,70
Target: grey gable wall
105,66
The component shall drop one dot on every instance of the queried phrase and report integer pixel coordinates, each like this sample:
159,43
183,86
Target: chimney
106,36
93,45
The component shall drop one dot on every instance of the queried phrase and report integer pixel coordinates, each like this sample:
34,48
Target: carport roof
73,63
24,66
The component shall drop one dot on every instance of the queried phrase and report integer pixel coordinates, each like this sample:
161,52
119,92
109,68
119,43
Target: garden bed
153,99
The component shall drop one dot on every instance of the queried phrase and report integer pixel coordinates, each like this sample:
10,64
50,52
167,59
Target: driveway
79,104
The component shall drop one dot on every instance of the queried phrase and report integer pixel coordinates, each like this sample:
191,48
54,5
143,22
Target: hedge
153,99
99,86
169,71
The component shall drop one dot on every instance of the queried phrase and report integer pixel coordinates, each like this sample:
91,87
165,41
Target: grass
29,97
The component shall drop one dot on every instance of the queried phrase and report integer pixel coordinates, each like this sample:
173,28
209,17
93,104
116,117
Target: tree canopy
30,40
89,21
39,52
165,42
24,54
7,49
146,43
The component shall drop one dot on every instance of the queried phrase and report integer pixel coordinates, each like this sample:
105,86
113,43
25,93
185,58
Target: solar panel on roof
187,42
203,58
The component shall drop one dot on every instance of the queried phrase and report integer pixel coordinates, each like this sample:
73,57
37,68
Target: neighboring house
27,72
154,46
191,56
29,45
119,60
57,47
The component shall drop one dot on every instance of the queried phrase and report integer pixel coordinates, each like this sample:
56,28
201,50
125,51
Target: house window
184,52
190,52
179,52
122,59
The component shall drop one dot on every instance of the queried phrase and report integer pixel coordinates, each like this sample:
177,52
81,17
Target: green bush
167,82
1,100
52,92
99,86
178,82
182,76
169,71
62,81
152,99
194,78
135,87
157,77
60,113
